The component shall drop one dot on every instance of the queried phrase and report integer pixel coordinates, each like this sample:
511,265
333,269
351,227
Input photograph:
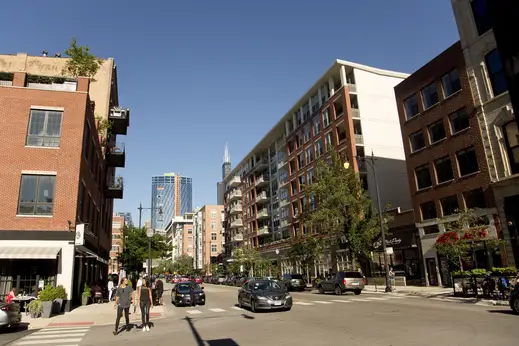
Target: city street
368,319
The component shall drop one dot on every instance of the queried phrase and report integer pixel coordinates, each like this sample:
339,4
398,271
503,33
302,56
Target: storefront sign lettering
389,242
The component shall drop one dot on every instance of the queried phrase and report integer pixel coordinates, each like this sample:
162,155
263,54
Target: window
302,181
512,145
428,210
213,225
443,169
317,125
459,121
189,231
214,248
417,141
449,205
81,198
319,148
307,133
475,199
430,95
44,128
436,131
293,186
341,132
326,118
36,194
328,140
309,155
496,72
213,214
311,175
451,83
481,15
411,106
213,236
423,177
301,160
467,161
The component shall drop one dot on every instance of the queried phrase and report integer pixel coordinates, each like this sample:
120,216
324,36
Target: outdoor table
23,300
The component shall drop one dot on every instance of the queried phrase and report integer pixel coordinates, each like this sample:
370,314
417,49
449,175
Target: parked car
294,282
343,282
181,294
514,299
10,315
264,295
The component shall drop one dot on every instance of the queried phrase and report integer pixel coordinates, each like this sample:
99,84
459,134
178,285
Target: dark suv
294,282
342,282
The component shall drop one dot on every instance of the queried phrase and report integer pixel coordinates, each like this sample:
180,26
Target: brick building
58,173
445,153
118,222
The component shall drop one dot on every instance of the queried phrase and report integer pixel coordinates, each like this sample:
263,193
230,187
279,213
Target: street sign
389,250
80,234
149,232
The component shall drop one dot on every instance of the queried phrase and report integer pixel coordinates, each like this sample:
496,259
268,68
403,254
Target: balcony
284,203
352,87
237,223
261,164
114,188
120,120
282,163
115,155
235,181
6,82
355,113
262,214
359,139
237,237
362,165
236,209
262,180
282,182
284,223
262,198
263,230
235,195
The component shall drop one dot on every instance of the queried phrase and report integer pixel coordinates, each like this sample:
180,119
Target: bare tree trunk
333,257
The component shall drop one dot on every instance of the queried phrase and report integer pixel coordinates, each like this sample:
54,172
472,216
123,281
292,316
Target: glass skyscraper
173,194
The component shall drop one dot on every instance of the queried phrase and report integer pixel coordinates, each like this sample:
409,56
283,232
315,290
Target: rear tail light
344,282
363,282
4,308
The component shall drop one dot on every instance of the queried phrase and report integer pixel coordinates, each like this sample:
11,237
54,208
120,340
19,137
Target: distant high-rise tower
226,167
226,170
173,194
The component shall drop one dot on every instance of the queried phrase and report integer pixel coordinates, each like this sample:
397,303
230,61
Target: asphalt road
368,319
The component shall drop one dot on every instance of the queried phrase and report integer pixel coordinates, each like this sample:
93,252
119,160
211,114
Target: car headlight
201,294
287,296
262,298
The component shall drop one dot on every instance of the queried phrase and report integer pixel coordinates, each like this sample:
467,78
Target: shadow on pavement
216,342
20,328
504,312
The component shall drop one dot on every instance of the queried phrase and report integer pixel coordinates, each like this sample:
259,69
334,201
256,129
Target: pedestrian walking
123,301
110,288
137,286
159,288
146,303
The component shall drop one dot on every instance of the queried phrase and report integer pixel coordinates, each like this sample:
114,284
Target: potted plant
35,308
85,296
60,294
47,296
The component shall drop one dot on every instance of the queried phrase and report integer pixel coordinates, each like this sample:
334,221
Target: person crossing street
123,301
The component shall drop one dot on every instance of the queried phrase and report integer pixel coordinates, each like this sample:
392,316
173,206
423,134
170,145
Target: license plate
354,283
278,303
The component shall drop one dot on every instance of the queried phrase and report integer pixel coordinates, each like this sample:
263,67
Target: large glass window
430,95
36,194
411,106
496,72
423,177
512,145
451,83
481,15
44,128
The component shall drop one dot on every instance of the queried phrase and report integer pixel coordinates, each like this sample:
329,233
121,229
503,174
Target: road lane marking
237,308
60,331
376,298
48,342
65,335
302,303
194,312
217,310
359,300
320,302
341,301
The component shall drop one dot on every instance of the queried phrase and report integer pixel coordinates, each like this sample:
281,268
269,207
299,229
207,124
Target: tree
463,235
81,63
183,265
339,209
305,251
135,250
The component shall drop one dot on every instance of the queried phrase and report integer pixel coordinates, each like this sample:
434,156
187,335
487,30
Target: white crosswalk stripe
194,312
340,301
321,302
217,310
66,336
377,298
302,303
237,308
359,300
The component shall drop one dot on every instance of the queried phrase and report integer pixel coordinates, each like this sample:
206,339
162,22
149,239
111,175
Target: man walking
123,301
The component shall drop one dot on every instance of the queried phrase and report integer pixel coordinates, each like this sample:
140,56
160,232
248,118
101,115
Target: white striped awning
24,252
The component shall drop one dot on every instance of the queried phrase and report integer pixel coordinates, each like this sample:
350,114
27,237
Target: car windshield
185,286
265,285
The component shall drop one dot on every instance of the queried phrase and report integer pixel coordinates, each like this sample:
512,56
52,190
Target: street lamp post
149,233
371,162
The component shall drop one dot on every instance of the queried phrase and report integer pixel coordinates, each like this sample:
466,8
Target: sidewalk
436,293
94,314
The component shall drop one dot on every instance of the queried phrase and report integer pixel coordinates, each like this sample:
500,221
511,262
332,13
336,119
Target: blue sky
197,74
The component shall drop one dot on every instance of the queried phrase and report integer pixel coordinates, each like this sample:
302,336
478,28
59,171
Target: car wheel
338,290
357,292
202,304
320,288
515,305
288,309
240,305
253,305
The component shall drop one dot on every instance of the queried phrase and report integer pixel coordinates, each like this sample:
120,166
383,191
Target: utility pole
140,214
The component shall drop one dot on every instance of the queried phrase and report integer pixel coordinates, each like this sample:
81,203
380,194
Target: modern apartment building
171,196
445,153
212,234
351,107
118,222
58,173
494,112
127,218
180,236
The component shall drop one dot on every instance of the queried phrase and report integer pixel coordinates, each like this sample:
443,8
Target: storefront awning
23,252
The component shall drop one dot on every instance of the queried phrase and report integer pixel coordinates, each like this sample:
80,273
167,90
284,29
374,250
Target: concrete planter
46,309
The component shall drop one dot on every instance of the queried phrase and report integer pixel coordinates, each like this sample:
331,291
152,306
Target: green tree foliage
338,208
183,265
305,250
82,63
250,259
463,235
135,250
